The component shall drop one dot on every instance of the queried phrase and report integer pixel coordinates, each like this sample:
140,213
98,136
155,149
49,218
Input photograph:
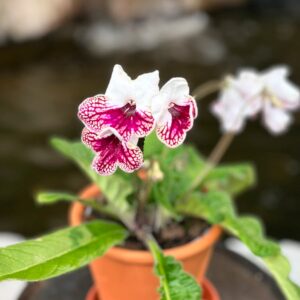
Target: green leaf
180,166
115,187
232,179
280,268
153,146
217,208
59,252
175,283
53,197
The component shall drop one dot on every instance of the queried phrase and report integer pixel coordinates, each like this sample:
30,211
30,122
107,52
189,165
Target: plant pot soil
128,274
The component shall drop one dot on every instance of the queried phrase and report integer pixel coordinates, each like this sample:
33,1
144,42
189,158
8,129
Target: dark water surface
42,83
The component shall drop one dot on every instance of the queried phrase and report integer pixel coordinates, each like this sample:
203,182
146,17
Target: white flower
174,111
125,106
250,93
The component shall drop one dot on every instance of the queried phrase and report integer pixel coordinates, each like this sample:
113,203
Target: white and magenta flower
174,111
125,106
250,93
113,151
129,110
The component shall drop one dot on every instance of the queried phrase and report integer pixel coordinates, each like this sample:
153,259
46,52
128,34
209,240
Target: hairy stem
207,88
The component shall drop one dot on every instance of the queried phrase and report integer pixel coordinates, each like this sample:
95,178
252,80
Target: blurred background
55,53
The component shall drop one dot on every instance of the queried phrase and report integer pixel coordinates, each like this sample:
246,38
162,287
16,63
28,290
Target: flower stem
143,197
214,158
207,88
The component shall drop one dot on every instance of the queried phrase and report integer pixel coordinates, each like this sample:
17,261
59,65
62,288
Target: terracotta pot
209,292
123,274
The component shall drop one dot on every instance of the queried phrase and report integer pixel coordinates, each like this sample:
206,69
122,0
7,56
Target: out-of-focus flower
280,97
113,151
125,106
174,111
250,93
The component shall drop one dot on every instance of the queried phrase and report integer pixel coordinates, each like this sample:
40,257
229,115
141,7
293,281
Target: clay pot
128,274
209,292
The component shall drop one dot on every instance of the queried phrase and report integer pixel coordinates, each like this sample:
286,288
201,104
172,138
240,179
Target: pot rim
192,248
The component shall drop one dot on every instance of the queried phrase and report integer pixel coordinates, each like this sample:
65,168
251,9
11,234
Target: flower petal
276,119
248,83
278,84
127,120
180,120
104,165
176,90
106,144
130,158
90,112
120,88
230,111
145,88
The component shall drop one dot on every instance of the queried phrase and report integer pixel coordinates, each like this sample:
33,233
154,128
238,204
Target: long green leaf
116,188
280,268
217,208
175,283
59,252
54,197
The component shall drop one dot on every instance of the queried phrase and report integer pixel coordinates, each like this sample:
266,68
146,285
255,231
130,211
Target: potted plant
155,203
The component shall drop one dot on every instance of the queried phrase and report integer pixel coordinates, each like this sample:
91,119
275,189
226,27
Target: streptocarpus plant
132,149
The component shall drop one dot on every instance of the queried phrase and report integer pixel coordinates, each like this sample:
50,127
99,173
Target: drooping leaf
232,179
60,252
54,197
216,209
175,283
280,268
115,188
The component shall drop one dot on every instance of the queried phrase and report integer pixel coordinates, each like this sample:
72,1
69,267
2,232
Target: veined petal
120,88
130,158
145,88
112,151
179,119
127,120
275,119
105,165
92,112
174,111
176,90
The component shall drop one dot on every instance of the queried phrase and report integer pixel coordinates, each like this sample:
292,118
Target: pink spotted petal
97,114
128,121
90,112
112,151
104,165
130,159
173,132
